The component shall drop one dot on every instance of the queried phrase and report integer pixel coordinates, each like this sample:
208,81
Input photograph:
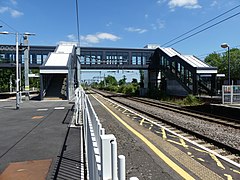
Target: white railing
231,94
100,149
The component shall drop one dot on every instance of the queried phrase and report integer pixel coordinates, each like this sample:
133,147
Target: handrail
100,149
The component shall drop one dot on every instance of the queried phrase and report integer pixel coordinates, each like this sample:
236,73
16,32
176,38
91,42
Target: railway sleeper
233,157
209,146
199,141
219,151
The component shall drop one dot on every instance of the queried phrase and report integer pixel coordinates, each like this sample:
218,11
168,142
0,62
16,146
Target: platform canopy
57,61
200,66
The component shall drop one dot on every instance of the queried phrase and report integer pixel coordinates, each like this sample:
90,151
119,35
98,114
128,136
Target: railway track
179,127
201,115
227,150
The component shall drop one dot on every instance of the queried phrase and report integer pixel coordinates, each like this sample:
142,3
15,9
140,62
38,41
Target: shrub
190,100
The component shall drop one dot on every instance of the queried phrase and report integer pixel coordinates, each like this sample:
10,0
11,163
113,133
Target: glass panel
39,59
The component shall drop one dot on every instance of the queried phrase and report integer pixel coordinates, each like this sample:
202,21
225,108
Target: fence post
121,168
106,158
222,94
114,160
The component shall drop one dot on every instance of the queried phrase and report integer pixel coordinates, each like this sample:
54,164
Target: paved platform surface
33,134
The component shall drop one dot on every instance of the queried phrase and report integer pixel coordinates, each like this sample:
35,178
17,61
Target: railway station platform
36,141
40,141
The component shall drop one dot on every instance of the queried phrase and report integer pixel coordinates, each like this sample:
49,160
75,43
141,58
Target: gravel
221,133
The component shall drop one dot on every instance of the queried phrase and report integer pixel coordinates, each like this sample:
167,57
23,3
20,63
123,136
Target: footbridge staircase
58,73
180,74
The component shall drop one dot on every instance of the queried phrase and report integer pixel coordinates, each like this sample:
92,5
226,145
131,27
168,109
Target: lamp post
26,64
17,73
225,45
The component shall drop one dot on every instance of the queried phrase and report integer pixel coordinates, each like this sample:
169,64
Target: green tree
134,81
110,80
6,75
122,81
221,62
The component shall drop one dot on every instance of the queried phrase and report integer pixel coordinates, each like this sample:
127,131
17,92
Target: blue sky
122,23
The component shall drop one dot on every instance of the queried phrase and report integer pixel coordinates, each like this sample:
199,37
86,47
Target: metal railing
231,94
100,149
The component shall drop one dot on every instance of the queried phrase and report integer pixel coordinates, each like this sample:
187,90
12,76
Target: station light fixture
225,45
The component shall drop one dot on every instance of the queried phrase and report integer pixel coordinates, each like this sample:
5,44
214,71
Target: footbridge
57,74
164,68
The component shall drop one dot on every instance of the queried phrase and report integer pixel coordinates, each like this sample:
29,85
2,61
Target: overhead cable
204,29
8,25
217,51
201,25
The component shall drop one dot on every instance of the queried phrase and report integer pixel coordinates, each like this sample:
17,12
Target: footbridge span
164,68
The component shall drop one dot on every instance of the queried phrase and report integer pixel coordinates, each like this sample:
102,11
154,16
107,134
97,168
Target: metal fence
100,148
231,94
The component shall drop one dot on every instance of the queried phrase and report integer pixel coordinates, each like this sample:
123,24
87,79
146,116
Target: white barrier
231,94
100,148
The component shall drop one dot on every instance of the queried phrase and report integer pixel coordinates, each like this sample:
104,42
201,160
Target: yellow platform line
168,161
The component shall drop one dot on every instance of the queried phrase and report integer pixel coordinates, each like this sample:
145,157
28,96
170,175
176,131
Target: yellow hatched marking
158,132
234,170
216,160
173,136
159,153
175,142
229,177
124,111
183,143
150,127
164,135
145,122
200,159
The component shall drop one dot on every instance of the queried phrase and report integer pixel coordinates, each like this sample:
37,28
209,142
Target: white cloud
96,38
161,1
138,30
107,36
72,37
109,24
214,3
160,24
14,2
189,4
14,13
3,9
146,16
